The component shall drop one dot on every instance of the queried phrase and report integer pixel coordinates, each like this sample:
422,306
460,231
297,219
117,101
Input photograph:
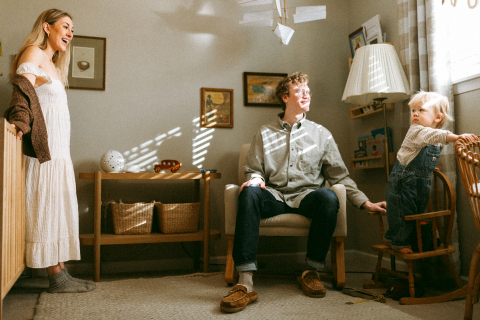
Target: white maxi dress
51,200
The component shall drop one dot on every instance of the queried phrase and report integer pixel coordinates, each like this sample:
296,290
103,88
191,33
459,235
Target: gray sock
61,283
76,279
246,280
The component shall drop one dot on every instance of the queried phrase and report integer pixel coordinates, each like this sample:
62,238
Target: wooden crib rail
12,209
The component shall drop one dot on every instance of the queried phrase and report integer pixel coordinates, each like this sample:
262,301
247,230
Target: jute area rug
198,296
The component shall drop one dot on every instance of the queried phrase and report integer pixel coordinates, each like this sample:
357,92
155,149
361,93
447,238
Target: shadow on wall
145,155
211,26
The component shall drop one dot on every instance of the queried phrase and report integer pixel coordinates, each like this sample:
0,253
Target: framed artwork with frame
357,40
216,108
259,89
87,63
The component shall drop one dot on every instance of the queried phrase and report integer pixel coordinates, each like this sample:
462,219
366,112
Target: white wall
159,54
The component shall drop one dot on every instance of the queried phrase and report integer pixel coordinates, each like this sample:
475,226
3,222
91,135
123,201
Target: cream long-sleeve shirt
418,137
296,160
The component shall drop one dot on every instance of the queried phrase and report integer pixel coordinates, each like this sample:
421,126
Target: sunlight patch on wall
200,142
145,154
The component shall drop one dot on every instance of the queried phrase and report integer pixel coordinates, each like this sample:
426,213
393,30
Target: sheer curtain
424,55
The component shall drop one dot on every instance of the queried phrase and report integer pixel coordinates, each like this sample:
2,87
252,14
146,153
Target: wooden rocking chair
468,159
443,202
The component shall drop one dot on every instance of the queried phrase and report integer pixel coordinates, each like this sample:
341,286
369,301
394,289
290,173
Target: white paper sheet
261,18
253,2
284,33
279,7
310,13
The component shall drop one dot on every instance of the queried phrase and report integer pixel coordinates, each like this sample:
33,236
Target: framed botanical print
87,63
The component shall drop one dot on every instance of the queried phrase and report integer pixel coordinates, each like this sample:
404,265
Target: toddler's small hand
469,137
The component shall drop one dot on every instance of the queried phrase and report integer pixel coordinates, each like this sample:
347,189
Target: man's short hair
283,87
439,102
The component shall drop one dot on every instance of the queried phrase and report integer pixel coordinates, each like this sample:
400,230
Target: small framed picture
87,63
216,108
372,40
357,40
259,88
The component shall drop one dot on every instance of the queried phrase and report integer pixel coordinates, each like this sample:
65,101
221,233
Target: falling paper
253,2
310,13
262,18
284,33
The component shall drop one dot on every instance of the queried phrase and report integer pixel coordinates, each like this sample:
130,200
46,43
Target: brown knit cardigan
26,114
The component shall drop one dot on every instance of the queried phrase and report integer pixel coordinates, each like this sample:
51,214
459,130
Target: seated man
288,163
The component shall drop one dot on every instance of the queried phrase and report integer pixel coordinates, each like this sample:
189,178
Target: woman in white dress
51,201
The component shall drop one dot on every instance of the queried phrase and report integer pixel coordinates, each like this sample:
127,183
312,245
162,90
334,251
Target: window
464,30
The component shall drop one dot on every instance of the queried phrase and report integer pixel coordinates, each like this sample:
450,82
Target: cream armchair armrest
341,228
231,205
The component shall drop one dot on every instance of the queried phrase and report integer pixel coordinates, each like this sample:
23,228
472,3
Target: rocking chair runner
468,159
443,202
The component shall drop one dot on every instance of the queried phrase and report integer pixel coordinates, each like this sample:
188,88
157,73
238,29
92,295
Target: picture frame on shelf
216,108
357,40
87,63
259,88
373,40
373,30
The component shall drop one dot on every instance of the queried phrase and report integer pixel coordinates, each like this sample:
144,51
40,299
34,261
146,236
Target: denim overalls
408,190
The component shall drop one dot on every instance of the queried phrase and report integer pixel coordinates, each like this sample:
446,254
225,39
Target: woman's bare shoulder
32,54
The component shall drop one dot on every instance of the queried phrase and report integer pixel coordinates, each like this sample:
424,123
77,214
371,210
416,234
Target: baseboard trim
355,261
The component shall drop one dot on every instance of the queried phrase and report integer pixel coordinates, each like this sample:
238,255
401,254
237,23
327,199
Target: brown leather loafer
237,299
311,284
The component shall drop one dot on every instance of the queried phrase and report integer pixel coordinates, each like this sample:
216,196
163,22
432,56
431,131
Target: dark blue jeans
255,203
408,191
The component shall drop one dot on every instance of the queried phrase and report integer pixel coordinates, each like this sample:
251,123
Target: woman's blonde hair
38,37
439,102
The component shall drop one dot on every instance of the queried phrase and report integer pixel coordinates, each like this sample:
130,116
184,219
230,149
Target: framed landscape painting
259,88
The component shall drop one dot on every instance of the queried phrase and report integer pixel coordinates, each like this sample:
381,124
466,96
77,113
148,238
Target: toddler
408,187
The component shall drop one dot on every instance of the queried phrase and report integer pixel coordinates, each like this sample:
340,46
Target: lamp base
378,103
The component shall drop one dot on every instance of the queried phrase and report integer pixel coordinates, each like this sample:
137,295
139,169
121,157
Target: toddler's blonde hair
440,102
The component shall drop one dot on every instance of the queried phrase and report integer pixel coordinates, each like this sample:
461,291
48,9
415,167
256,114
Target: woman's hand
19,133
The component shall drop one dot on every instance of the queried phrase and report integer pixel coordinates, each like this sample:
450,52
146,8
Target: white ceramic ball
112,161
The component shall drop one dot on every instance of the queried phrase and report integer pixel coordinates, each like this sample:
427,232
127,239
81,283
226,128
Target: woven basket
132,218
178,217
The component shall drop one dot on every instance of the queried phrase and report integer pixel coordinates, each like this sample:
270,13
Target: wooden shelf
97,238
152,176
356,112
108,238
367,159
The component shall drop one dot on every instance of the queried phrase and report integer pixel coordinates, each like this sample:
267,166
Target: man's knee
326,197
250,192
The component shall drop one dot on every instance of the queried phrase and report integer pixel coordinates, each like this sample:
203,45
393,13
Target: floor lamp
377,76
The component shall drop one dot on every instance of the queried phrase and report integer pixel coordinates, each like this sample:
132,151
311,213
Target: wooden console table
97,239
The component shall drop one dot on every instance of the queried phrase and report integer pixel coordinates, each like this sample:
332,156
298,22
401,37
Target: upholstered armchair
288,224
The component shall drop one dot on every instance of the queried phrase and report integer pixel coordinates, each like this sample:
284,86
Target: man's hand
253,182
19,133
379,206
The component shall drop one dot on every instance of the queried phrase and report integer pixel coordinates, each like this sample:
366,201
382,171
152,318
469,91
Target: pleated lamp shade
376,72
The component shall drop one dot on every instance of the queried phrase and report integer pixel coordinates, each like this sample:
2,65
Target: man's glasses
303,93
